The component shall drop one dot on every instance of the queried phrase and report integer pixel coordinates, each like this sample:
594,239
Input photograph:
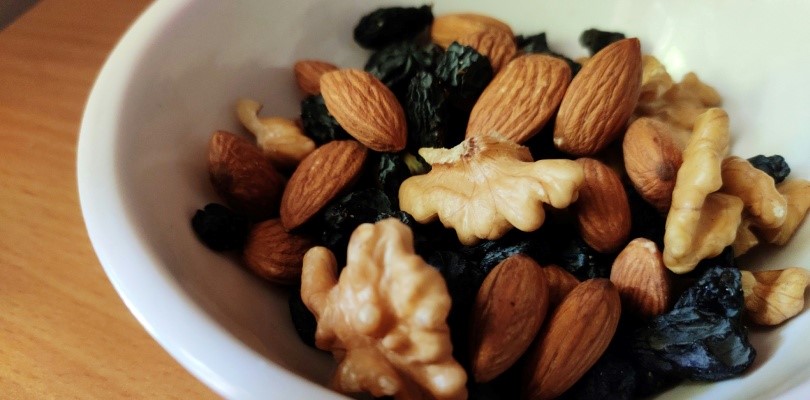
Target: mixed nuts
511,225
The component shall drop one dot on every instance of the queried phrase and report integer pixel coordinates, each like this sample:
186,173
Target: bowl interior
185,64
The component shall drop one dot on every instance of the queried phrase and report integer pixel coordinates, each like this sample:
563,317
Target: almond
577,334
242,176
521,98
509,310
642,278
274,254
652,158
321,176
496,44
365,108
308,74
600,99
449,28
603,212
560,282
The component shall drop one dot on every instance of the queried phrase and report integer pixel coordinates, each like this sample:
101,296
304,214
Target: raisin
646,221
583,261
389,172
612,378
775,166
491,252
303,320
538,44
465,73
343,215
219,228
718,291
318,123
595,40
425,111
388,25
396,65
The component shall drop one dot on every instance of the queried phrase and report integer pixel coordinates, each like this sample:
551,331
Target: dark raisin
491,252
397,64
646,221
302,319
775,166
426,112
343,215
465,73
318,123
538,44
583,261
219,228
613,377
718,291
542,144
694,344
387,25
595,40
390,171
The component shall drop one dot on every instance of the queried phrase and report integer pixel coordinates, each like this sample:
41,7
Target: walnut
486,185
700,222
746,238
282,140
677,104
384,319
771,297
764,205
797,195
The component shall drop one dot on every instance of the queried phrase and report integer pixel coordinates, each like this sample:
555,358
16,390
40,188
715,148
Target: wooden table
64,332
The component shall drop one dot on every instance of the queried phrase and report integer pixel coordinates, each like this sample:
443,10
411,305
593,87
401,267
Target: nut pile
474,214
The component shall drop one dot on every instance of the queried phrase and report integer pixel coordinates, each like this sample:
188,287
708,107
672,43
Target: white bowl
174,78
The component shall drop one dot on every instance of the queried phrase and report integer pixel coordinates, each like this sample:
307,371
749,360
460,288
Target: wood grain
64,332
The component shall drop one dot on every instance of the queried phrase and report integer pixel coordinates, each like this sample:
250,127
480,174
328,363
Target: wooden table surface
64,332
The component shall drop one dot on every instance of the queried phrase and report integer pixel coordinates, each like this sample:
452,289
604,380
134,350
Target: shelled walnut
772,297
282,141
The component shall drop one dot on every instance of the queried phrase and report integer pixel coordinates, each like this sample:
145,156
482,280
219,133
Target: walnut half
486,185
384,319
772,297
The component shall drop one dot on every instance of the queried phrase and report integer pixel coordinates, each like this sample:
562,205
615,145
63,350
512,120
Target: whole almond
560,282
652,158
274,254
642,278
521,98
600,99
321,176
509,310
496,44
577,334
365,108
449,28
308,74
242,176
603,212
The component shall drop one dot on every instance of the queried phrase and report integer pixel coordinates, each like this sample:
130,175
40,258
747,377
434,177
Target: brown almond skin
508,312
560,282
308,74
274,254
319,178
574,338
521,98
652,158
242,176
449,28
365,108
603,211
600,99
496,44
643,280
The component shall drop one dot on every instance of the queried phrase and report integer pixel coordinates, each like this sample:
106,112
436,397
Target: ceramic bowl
175,76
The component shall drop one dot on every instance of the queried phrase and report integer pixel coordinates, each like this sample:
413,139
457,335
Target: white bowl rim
117,242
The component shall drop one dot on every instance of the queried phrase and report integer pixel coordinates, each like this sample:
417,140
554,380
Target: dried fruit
308,74
642,279
775,166
365,108
303,321
603,213
397,64
219,228
595,40
600,99
242,176
426,112
274,254
583,261
508,312
318,123
533,86
325,173
772,297
393,24
652,159
465,73
718,291
578,332
449,28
